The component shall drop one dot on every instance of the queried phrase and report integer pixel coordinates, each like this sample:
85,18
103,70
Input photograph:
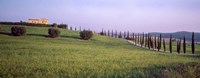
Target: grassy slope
34,55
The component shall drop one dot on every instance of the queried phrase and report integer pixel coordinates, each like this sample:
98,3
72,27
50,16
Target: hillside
180,34
35,55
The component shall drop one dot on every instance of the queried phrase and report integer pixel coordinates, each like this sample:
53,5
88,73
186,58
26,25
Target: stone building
38,21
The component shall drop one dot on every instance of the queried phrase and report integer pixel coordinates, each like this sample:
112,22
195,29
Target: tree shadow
74,37
42,35
5,33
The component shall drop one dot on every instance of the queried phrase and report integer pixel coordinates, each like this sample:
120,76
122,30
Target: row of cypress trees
150,41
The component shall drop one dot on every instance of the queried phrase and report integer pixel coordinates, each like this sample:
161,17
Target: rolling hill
35,55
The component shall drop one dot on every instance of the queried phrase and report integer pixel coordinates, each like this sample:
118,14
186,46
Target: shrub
54,32
63,26
101,33
54,25
86,34
18,31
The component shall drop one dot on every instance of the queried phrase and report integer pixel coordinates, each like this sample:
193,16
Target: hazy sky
122,15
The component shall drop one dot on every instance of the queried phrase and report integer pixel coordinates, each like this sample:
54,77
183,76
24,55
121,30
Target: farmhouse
38,21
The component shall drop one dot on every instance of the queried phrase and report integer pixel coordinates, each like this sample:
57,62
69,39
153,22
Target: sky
121,15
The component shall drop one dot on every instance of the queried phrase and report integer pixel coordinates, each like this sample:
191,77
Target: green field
35,55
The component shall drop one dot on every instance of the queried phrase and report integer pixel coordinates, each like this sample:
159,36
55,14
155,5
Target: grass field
35,55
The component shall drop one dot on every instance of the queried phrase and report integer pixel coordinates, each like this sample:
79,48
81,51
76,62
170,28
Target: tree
112,34
146,40
54,25
127,35
124,34
184,45
120,35
102,33
75,28
178,46
116,34
164,47
133,36
108,33
155,41
193,44
170,44
138,38
159,42
142,39
70,28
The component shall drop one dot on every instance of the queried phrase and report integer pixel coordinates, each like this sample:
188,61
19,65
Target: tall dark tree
135,39
120,35
178,46
184,45
108,33
138,38
128,35
146,40
75,28
133,36
155,41
71,28
143,40
151,42
170,44
124,34
193,43
116,34
159,42
102,33
112,34
105,33
164,47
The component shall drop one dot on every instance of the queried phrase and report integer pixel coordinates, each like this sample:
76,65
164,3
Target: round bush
54,25
18,31
54,32
86,34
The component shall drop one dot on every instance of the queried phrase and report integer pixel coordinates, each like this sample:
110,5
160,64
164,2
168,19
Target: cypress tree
151,42
75,28
124,35
159,42
135,39
108,33
105,33
128,35
155,41
193,44
138,38
112,34
170,44
146,40
115,33
184,45
164,45
70,28
133,36
120,35
177,46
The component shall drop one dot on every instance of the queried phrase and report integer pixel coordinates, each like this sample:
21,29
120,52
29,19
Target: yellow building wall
38,21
